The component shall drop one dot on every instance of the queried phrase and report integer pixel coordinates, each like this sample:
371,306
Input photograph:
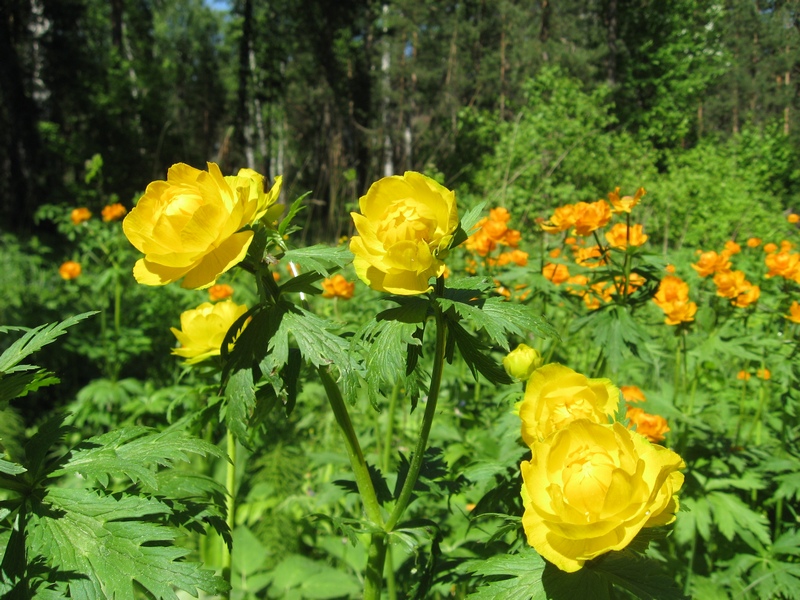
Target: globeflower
710,262
619,236
221,291
784,264
731,248
69,270
193,225
794,312
338,287
743,375
522,361
673,298
763,374
557,273
556,395
793,218
730,283
405,227
591,216
113,212
753,242
563,218
79,215
590,488
770,247
203,330
749,295
632,393
625,203
653,427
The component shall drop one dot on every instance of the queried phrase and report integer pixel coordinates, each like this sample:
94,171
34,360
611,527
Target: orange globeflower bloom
583,256
570,240
518,257
731,248
680,311
786,245
499,214
113,212
785,264
769,247
753,242
653,427
69,270
632,393
794,313
730,283
710,262
626,203
496,230
563,218
635,281
793,218
748,296
670,269
671,289
619,236
79,215
219,291
577,280
591,216
763,374
556,273
744,375
338,287
480,243
554,253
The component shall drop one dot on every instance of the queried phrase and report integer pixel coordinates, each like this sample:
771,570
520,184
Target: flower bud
522,362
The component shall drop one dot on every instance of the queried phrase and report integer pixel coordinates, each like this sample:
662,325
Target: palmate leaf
134,453
320,258
516,577
103,545
615,332
475,353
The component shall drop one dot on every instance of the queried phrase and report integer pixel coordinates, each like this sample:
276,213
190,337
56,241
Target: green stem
391,588
427,421
230,507
387,441
363,480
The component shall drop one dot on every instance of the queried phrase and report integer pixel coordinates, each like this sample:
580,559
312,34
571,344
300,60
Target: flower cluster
730,283
338,287
591,484
653,427
582,217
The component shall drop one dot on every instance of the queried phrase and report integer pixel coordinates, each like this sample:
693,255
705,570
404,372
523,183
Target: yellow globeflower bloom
405,227
556,395
191,226
203,329
590,488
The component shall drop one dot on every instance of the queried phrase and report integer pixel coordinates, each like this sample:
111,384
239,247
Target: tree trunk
611,41
388,159
544,31
244,138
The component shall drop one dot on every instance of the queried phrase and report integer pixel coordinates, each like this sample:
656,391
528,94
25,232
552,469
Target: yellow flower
203,329
625,203
338,287
653,427
794,312
69,270
79,215
405,227
191,225
219,292
591,488
113,212
556,395
522,361
619,236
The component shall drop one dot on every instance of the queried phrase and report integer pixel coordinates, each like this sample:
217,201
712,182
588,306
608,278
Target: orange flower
583,256
499,214
794,313
555,253
626,203
602,291
556,273
512,238
731,248
338,287
769,247
710,262
632,393
653,427
502,290
730,283
786,245
591,216
749,296
763,374
496,230
670,269
219,291
69,270
744,375
480,243
577,280
79,215
793,218
518,257
619,236
635,281
673,298
753,242
681,311
569,241
785,264
113,212
563,218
